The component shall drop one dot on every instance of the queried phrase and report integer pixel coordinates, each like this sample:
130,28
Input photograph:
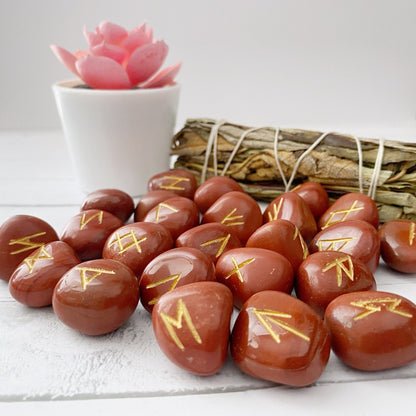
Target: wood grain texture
42,359
381,397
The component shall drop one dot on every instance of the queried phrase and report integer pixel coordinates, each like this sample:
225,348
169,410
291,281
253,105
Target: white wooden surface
47,368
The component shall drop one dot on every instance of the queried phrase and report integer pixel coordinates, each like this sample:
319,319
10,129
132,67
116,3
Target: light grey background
255,62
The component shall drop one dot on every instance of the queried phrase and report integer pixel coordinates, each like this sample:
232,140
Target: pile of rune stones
300,275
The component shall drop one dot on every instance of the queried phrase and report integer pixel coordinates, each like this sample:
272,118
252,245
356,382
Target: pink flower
118,59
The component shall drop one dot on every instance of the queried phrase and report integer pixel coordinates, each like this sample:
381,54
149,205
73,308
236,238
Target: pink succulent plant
120,59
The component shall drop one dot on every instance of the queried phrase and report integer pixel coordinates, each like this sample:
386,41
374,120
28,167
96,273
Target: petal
93,38
79,53
164,77
149,34
112,33
103,73
66,57
145,61
114,52
136,38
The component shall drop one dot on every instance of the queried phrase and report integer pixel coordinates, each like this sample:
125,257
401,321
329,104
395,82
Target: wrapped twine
269,161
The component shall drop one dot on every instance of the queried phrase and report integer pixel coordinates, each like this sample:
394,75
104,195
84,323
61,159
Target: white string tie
376,172
212,139
312,147
275,144
276,156
236,147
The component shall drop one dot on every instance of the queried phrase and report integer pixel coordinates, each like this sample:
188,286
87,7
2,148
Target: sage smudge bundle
265,154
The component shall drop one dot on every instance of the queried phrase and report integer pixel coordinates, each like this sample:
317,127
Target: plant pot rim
68,87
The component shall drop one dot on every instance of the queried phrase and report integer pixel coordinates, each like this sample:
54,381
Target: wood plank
34,154
54,192
41,359
381,397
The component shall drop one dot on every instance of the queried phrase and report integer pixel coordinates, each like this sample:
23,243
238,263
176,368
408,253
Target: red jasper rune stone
137,244
34,280
248,270
291,207
372,330
119,203
20,235
173,268
279,338
355,237
208,192
283,237
176,214
237,211
351,206
315,195
150,200
398,245
179,181
87,232
96,297
213,239
192,326
324,275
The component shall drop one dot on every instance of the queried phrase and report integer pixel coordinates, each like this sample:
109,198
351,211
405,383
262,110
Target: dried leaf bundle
333,163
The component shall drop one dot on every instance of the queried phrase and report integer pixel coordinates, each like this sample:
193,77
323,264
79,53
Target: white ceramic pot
117,138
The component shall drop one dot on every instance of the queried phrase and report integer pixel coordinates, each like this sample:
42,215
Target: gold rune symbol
412,233
339,263
85,280
229,219
238,267
84,220
345,213
375,305
174,277
302,242
222,240
268,317
42,253
26,243
331,245
174,184
276,211
162,204
134,241
181,313
296,188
